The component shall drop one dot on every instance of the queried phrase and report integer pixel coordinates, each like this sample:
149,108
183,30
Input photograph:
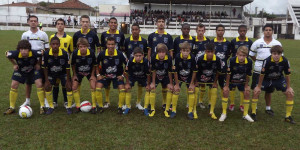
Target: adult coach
39,41
260,50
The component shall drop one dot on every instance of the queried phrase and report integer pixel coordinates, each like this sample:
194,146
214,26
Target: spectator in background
69,20
75,20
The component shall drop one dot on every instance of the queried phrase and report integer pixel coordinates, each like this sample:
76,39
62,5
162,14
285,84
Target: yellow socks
13,95
213,94
147,99
99,97
241,98
168,100
41,96
191,101
202,92
78,89
224,105
76,98
164,95
50,99
121,98
253,105
246,104
232,97
139,94
107,94
70,99
289,107
128,99
209,96
93,94
152,99
174,101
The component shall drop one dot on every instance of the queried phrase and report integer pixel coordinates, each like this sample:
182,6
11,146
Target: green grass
135,131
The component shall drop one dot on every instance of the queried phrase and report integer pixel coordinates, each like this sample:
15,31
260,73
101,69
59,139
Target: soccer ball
85,106
25,112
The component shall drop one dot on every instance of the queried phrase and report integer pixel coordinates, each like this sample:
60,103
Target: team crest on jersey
141,46
129,46
154,39
65,45
189,64
20,61
234,68
236,46
105,61
62,61
225,47
165,40
49,60
117,61
195,46
89,61
166,65
90,39
118,39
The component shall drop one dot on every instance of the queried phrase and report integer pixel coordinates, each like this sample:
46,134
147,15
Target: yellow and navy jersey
154,39
207,70
91,36
138,70
223,49
66,42
130,45
56,65
112,66
83,64
161,67
26,64
239,71
199,46
236,43
180,39
119,37
184,67
273,70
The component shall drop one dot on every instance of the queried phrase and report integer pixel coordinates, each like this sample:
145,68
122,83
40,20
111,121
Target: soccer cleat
164,107
270,112
46,103
195,115
139,106
223,117
213,116
106,105
9,111
77,110
55,104
241,108
289,119
190,116
253,116
94,110
248,118
124,107
73,105
66,104
69,111
152,112
49,111
173,114
42,111
100,109
187,106
146,112
201,105
26,103
166,114
231,107
120,111
127,110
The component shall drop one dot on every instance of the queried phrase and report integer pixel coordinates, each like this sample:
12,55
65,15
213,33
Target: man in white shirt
39,41
259,51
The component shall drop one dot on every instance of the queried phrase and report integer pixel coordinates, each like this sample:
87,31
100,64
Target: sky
270,6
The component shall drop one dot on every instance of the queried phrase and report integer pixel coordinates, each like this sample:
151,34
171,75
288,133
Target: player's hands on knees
290,91
170,87
152,86
47,85
257,90
127,86
247,88
92,78
16,67
215,85
192,87
74,78
68,85
148,87
120,78
225,89
176,88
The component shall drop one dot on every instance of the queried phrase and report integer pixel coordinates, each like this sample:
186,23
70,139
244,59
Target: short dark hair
220,25
60,19
55,38
85,16
138,50
32,16
185,24
210,46
135,24
276,49
242,26
160,17
111,39
113,18
23,44
268,25
200,25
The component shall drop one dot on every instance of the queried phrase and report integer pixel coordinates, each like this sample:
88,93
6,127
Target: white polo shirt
38,40
261,50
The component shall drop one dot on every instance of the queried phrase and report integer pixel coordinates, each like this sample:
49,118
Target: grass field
135,131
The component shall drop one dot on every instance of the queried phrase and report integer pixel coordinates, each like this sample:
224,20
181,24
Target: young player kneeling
56,64
238,72
137,70
24,62
184,72
271,77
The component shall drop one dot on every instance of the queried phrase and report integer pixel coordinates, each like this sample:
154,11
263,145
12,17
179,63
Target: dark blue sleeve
176,47
103,44
170,43
150,41
12,54
97,41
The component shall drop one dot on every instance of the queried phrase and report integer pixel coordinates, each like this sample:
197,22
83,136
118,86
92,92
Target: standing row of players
197,62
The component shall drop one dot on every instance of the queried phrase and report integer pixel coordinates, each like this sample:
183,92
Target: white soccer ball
85,106
25,112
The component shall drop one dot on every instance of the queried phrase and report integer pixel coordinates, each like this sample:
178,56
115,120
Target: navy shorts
269,86
80,77
255,79
141,82
106,82
27,78
164,82
221,80
240,86
55,80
